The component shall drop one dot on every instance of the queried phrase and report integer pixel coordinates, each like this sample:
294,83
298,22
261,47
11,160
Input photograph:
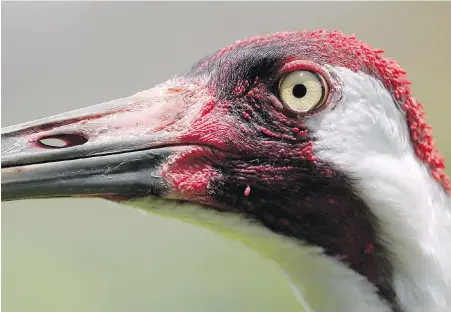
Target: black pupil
299,91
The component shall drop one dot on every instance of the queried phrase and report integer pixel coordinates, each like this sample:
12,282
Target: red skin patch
247,191
336,49
369,249
188,177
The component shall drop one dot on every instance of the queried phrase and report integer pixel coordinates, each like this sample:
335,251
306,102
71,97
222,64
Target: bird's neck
414,224
414,213
311,274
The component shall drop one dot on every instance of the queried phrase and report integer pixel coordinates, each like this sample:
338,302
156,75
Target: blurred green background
92,255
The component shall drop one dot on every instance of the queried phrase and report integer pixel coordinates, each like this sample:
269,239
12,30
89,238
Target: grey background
88,255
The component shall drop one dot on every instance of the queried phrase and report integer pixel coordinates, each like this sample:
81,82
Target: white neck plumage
415,225
367,138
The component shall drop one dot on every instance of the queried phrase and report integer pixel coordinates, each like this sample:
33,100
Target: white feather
366,137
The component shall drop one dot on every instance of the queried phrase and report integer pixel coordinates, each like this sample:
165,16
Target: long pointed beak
115,148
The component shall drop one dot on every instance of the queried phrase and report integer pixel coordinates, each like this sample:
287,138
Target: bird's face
272,127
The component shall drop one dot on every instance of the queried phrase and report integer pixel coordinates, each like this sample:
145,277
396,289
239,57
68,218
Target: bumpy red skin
252,125
232,120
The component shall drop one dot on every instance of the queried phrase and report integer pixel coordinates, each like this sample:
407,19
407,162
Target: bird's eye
302,91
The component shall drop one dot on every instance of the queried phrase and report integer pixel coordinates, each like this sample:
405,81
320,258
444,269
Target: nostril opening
62,141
